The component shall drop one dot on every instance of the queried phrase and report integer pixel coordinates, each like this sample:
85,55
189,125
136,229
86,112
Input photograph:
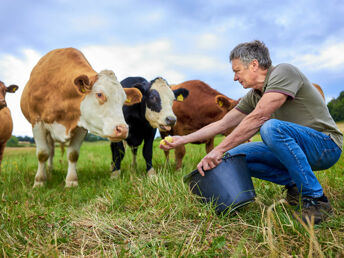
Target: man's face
246,75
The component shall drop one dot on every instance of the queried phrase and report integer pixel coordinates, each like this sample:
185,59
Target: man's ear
225,103
180,94
82,82
254,64
12,88
134,96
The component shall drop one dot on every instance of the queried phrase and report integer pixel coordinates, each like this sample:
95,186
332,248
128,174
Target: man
298,133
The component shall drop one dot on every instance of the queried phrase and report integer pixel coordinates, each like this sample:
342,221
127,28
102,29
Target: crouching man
298,133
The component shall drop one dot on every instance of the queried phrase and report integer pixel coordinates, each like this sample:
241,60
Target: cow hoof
71,184
115,174
38,184
151,173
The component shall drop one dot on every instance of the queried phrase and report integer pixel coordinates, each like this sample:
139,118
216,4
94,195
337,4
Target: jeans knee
268,128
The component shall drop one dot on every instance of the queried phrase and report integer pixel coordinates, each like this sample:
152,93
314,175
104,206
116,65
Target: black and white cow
154,111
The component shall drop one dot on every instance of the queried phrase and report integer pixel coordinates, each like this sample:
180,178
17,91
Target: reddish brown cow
196,111
319,89
6,124
203,106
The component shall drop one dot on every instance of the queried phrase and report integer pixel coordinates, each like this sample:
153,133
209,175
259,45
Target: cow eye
101,97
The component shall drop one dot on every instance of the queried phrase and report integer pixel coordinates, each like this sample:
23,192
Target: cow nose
121,131
170,120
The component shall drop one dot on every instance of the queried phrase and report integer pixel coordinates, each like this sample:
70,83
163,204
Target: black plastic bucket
229,185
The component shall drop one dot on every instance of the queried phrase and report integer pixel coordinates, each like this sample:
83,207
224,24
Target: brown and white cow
196,111
64,98
6,124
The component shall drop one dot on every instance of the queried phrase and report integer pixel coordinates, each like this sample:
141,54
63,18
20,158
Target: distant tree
12,142
336,107
94,138
26,139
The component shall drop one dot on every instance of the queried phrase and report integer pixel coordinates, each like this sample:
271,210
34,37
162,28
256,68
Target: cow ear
141,87
82,82
180,94
134,96
12,88
225,103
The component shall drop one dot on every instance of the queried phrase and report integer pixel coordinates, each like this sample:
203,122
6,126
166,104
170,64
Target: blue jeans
288,154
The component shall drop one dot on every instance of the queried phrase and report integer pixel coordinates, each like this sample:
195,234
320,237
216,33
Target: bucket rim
187,177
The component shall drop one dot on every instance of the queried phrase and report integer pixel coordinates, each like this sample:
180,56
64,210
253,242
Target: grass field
137,216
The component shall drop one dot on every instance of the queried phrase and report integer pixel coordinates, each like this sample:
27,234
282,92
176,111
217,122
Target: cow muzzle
120,133
170,121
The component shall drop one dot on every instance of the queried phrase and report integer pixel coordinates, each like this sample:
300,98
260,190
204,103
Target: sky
177,40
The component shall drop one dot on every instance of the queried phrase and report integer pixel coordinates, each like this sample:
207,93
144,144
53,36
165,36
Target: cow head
3,91
159,101
101,107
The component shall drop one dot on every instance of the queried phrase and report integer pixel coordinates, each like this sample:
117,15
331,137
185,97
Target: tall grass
138,216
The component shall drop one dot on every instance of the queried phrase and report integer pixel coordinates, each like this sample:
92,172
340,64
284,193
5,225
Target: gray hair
248,51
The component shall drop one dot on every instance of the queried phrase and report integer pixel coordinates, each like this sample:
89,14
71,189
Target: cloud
16,70
152,59
331,57
208,41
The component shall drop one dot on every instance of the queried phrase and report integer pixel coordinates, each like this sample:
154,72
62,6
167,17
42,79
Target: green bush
336,107
12,142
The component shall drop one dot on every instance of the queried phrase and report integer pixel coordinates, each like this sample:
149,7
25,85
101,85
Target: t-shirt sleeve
284,79
245,104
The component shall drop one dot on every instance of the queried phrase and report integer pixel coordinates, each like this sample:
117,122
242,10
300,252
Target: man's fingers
200,169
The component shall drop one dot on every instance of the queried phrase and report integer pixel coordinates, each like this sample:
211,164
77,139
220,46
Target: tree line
336,107
21,141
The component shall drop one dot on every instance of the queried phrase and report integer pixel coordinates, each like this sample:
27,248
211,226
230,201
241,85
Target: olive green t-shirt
304,106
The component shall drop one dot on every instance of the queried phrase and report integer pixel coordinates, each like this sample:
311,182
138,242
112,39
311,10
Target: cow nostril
121,130
170,120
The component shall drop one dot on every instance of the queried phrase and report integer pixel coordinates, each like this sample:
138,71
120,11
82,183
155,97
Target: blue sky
178,40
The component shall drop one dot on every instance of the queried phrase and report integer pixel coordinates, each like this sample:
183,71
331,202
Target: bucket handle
228,156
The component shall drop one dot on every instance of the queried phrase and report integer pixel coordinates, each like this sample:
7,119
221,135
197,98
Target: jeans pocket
327,159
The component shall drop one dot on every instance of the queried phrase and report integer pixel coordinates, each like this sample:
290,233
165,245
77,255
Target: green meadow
159,217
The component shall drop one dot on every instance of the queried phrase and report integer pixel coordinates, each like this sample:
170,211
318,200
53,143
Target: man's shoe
319,208
293,195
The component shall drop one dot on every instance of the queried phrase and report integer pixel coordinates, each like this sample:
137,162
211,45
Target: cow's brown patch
51,94
73,156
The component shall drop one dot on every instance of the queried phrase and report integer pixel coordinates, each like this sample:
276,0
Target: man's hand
211,160
176,141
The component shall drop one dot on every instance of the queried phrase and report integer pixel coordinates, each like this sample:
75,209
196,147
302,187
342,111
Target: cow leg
51,147
148,152
73,151
134,151
42,153
117,151
2,148
209,145
179,153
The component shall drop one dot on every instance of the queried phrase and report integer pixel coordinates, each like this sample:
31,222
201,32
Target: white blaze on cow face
159,103
101,109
